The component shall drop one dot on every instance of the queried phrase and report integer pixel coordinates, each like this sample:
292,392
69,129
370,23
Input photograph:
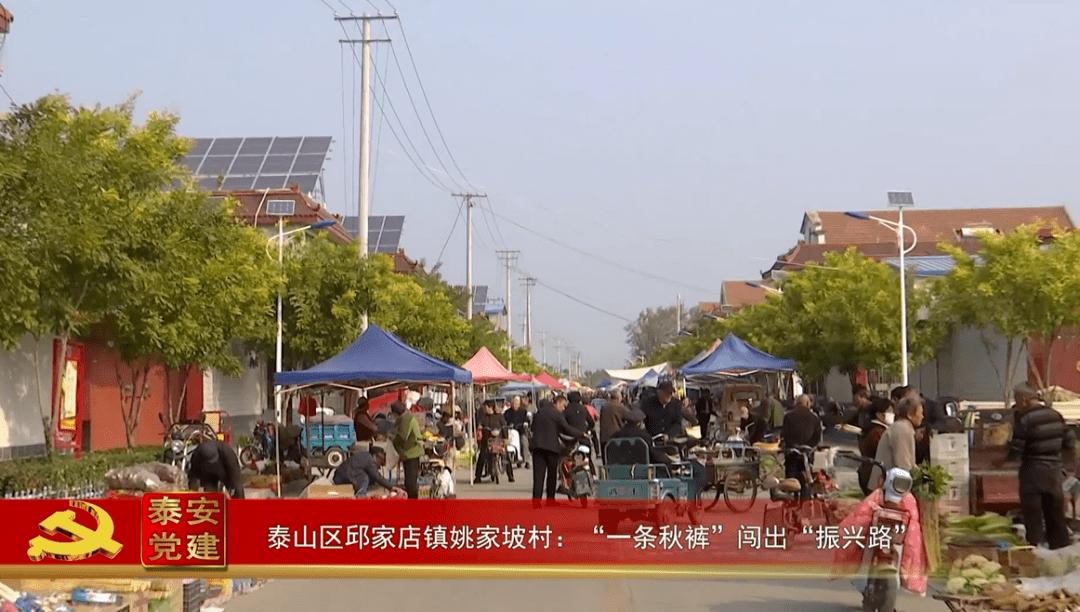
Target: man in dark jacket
548,423
214,465
576,414
1040,439
489,421
663,411
362,468
517,416
634,427
704,410
801,428
612,415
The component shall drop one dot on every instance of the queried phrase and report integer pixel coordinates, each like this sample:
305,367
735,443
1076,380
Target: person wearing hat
362,422
1040,438
362,468
409,445
214,466
634,427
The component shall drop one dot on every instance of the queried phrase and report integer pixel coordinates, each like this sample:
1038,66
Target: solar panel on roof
214,165
285,146
394,223
201,146
237,183
385,249
246,164
268,181
209,183
308,163
479,298
280,208
352,225
390,240
277,164
255,146
192,162
225,146
305,181
316,144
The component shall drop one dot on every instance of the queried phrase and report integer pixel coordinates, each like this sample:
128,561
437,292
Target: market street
526,595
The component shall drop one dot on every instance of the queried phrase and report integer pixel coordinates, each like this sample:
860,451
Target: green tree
72,181
652,329
202,284
1020,287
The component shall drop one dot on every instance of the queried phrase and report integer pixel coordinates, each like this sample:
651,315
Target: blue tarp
735,355
650,379
378,355
604,385
521,387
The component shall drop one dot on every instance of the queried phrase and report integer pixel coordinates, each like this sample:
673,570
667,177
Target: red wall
101,400
1065,363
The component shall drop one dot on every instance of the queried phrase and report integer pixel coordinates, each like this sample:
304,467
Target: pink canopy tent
548,380
486,369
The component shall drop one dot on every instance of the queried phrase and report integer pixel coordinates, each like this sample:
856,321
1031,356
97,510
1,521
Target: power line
2,88
571,297
496,221
419,166
452,228
328,6
418,118
488,224
405,39
602,259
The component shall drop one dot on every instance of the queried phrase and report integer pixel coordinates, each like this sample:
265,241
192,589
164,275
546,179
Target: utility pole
365,118
510,258
678,316
468,248
543,347
558,356
529,283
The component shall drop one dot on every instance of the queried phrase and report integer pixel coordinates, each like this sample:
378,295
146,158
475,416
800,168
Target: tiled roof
804,254
739,294
930,225
251,209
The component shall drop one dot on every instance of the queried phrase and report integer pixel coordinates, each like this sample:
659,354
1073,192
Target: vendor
214,466
634,427
290,444
753,425
362,468
362,422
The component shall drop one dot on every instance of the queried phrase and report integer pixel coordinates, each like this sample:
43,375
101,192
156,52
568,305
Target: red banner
161,531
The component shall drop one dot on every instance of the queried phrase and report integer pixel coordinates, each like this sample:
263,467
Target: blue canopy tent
604,385
377,355
650,379
734,357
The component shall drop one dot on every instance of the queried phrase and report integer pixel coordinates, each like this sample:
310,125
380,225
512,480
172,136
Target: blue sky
680,139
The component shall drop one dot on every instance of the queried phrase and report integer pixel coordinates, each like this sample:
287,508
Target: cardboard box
948,446
1020,562
323,491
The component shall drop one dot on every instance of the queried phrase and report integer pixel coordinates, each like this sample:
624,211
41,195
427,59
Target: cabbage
955,585
999,579
975,561
972,573
990,567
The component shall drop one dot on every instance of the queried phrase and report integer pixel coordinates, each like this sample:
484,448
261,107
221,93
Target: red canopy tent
486,369
548,380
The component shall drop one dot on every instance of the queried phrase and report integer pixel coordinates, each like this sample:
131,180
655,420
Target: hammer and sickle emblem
84,542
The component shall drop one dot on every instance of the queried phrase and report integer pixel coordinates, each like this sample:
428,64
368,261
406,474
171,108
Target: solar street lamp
765,287
899,199
282,209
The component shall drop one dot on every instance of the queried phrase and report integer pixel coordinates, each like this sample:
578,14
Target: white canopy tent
636,373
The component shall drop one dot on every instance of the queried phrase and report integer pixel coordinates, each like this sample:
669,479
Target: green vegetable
975,561
972,573
990,567
929,482
956,585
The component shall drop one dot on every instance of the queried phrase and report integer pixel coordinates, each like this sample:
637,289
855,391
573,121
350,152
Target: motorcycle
181,440
882,583
576,470
261,447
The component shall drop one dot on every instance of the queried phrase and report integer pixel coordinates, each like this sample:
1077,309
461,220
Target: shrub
67,472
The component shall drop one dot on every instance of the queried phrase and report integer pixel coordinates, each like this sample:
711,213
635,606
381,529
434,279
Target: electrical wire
329,6
602,259
416,111
427,101
571,297
484,213
12,100
496,221
419,167
452,228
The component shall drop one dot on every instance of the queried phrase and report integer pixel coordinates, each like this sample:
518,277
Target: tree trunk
1010,370
167,416
1048,363
58,382
134,400
185,372
46,422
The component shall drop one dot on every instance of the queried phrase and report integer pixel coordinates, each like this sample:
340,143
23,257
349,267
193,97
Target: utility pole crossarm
363,17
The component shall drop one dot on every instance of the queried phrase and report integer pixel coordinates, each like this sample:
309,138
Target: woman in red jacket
881,411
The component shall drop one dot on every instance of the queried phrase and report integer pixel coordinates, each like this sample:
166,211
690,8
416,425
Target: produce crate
1020,562
948,446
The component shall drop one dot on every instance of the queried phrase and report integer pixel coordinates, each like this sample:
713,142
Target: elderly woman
881,417
897,446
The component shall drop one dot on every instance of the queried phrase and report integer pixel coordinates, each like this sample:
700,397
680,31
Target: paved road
543,594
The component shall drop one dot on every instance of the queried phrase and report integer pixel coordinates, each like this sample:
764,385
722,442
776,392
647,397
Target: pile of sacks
147,477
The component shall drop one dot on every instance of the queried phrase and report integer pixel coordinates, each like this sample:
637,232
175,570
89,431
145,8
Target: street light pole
281,268
899,199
